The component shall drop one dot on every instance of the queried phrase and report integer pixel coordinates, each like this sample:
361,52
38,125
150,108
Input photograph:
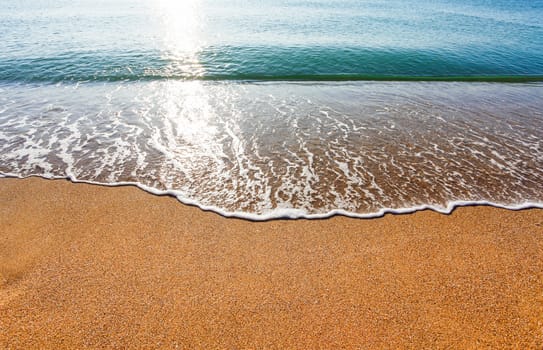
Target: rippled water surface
83,40
279,108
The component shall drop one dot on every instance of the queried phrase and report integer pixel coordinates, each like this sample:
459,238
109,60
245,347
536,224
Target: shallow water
260,148
266,109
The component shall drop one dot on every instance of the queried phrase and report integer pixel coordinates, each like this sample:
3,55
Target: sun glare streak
189,118
181,32
183,23
185,104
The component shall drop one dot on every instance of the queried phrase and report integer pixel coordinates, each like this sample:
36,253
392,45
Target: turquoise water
266,109
54,41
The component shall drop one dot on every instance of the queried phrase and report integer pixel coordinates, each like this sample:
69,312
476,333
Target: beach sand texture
84,266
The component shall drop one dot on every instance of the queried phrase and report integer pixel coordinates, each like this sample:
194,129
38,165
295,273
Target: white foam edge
287,213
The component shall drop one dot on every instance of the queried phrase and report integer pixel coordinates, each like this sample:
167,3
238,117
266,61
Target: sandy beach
85,266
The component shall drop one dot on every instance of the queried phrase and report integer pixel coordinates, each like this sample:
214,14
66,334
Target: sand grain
85,266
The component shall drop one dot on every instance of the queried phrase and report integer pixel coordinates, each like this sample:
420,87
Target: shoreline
97,266
290,214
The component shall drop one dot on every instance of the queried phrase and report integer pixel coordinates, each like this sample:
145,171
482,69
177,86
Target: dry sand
85,266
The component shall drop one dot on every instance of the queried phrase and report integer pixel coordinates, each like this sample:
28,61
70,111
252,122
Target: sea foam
285,150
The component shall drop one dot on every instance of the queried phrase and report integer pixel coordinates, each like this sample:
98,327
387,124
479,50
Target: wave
276,63
284,149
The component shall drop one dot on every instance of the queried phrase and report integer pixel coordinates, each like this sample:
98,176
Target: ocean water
265,109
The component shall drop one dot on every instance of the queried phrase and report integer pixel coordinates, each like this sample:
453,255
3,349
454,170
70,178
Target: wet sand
85,266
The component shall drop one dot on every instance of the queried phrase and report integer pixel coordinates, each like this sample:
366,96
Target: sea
265,109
